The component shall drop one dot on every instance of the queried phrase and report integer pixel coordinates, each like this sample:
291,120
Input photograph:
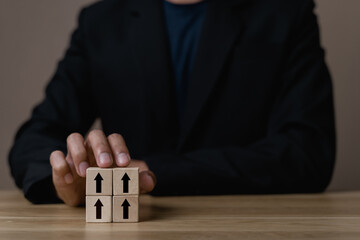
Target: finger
119,150
99,145
90,155
147,181
61,169
71,164
77,152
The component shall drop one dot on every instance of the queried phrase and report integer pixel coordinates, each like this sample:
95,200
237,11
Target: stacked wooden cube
112,195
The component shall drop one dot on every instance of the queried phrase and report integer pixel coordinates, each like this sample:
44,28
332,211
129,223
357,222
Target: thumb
147,181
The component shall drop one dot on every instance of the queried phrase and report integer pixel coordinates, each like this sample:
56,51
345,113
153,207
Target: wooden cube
99,181
99,209
126,208
125,181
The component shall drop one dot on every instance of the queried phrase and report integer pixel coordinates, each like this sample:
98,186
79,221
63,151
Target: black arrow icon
98,180
125,206
98,206
125,180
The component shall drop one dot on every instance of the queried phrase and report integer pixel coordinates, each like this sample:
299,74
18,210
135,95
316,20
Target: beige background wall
34,34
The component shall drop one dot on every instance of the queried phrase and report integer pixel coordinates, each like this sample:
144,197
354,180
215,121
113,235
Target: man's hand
97,150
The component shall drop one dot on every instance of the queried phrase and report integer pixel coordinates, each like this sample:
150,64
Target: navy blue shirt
184,24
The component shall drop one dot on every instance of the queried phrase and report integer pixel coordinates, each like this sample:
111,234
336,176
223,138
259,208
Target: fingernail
123,159
105,159
82,168
69,178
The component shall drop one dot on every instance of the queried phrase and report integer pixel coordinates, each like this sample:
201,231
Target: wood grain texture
99,209
327,216
120,205
99,176
130,176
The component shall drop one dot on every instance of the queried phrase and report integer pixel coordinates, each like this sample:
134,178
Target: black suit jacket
259,115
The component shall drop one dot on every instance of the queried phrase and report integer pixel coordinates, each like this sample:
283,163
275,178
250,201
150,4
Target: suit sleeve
67,108
298,152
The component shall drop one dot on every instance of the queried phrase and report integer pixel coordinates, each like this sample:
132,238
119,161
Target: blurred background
34,35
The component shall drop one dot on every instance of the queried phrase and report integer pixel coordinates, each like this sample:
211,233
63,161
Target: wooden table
314,216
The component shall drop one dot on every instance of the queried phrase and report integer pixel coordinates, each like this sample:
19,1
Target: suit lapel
149,38
221,28
149,45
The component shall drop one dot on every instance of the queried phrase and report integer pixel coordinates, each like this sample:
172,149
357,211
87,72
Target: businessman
205,97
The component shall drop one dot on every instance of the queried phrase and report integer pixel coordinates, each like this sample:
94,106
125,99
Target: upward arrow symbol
98,206
125,206
125,180
98,180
